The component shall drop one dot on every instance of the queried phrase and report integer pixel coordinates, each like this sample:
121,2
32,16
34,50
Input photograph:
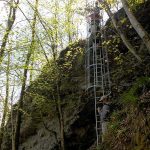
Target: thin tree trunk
136,25
20,104
10,22
58,100
122,35
12,119
61,119
69,16
61,127
59,107
6,101
54,46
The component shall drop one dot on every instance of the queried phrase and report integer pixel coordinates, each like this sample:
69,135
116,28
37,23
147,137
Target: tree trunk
10,22
120,32
61,120
69,23
20,104
59,106
12,119
61,128
6,102
136,25
54,48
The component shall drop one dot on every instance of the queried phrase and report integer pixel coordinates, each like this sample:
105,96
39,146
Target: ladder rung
97,97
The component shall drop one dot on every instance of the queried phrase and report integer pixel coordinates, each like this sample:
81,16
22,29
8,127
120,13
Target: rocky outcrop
130,94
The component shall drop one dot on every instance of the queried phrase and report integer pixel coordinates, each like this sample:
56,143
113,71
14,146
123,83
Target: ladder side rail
95,72
101,55
98,124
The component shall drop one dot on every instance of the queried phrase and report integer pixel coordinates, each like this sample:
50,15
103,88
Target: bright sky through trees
20,36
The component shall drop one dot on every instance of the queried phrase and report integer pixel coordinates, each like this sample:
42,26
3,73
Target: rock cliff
130,121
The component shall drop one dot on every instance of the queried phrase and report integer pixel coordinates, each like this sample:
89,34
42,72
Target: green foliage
123,20
134,4
115,122
130,133
42,91
131,96
41,99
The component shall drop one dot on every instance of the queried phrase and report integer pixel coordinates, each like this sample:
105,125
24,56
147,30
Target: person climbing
95,16
104,114
94,23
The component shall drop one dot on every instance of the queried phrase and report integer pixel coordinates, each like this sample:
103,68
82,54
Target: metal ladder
97,69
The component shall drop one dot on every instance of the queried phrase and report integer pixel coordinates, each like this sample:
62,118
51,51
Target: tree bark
136,25
2,128
69,15
61,120
54,48
12,119
20,104
59,106
10,22
120,32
